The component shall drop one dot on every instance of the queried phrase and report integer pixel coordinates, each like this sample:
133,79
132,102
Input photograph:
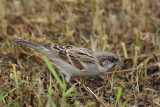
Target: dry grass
129,28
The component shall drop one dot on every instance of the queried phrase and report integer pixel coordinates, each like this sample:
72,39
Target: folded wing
78,57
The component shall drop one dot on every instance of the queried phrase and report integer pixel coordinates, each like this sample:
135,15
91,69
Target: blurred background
128,28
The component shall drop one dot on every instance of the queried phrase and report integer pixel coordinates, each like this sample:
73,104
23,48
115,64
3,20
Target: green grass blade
49,65
90,104
51,101
119,93
69,90
15,104
124,104
50,85
1,96
124,50
135,60
15,75
63,86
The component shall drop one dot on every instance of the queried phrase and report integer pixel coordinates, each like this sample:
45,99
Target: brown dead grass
97,25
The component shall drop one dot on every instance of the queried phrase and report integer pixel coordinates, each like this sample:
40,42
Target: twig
92,93
98,99
142,56
133,69
147,77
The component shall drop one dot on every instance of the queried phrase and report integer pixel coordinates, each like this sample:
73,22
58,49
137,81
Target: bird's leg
67,78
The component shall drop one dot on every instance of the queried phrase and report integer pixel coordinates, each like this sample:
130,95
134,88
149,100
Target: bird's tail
35,46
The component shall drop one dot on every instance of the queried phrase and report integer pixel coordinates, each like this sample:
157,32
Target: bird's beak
120,62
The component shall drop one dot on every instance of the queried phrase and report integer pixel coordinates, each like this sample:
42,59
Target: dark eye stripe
113,59
105,58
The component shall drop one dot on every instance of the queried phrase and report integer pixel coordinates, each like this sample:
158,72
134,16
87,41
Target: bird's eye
113,60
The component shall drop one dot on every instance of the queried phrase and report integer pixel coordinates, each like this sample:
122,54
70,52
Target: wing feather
78,57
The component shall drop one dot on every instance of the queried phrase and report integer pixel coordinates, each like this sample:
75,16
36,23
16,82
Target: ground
128,28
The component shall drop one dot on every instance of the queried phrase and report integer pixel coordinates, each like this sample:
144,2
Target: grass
15,75
128,28
65,93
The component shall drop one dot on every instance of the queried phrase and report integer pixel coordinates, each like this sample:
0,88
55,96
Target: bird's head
108,60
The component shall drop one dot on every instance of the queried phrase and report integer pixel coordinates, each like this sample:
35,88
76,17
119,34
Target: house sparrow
74,61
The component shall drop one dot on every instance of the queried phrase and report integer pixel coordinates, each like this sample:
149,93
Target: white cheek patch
107,64
110,65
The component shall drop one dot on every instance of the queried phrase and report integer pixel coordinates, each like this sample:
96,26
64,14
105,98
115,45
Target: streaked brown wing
83,57
78,57
60,50
74,61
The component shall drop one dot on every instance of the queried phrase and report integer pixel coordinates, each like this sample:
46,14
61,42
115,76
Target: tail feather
50,54
35,46
26,43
